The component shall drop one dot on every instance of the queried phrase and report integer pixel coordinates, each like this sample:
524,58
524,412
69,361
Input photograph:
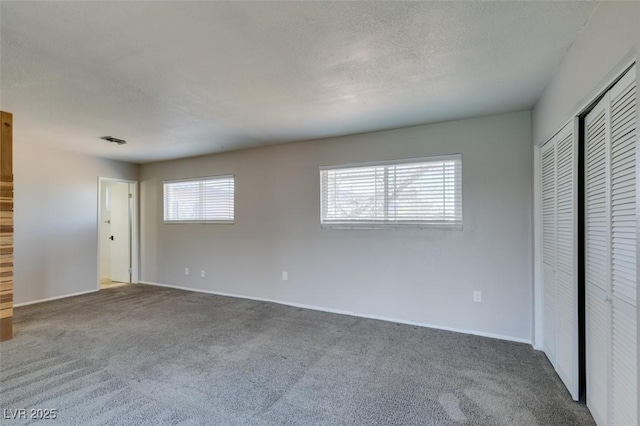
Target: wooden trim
6,148
6,225
6,328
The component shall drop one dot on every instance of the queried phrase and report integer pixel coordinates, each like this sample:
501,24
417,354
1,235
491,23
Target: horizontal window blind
420,192
209,199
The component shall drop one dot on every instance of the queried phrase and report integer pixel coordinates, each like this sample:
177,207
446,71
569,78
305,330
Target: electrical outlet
202,274
285,276
186,271
477,296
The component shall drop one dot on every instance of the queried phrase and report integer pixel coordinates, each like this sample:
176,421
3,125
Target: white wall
56,202
416,275
604,48
610,39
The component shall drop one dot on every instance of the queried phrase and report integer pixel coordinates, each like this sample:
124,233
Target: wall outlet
202,274
186,271
477,296
285,276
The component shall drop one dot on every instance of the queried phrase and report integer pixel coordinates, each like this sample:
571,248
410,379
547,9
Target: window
416,192
209,199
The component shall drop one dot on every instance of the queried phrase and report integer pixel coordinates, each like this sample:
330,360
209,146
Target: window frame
199,179
346,224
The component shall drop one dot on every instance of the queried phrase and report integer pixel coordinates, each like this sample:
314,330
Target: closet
559,255
610,255
594,277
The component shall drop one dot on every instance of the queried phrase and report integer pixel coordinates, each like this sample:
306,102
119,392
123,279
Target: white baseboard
341,312
49,299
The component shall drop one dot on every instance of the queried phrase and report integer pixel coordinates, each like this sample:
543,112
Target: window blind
209,199
418,192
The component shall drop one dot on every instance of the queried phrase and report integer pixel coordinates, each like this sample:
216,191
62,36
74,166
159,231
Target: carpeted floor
148,355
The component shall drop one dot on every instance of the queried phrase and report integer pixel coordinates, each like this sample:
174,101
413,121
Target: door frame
133,224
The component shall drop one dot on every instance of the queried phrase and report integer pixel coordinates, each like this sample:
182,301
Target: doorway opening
117,232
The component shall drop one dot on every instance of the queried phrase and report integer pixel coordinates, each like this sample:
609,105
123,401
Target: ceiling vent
114,140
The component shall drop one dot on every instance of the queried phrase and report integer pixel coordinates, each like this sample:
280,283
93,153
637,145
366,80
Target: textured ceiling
178,79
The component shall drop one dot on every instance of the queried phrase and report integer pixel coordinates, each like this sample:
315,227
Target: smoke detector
114,140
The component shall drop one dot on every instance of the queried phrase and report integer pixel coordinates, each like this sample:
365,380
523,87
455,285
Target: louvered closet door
611,256
549,288
566,261
623,251
559,254
598,323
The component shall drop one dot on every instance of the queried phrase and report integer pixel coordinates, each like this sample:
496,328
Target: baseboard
342,312
49,299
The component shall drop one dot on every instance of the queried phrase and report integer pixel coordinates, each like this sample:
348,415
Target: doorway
116,233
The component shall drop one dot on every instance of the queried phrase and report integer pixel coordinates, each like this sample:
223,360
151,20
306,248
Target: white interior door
624,362
105,233
549,289
598,316
559,255
120,238
611,273
567,260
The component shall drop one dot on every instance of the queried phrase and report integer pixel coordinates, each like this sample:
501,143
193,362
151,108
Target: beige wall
414,275
56,216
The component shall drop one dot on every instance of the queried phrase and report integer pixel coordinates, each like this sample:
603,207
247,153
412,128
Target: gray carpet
149,355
